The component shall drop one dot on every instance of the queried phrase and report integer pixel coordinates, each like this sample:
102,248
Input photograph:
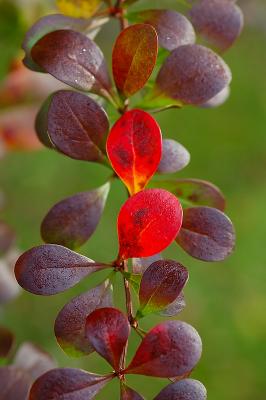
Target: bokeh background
226,302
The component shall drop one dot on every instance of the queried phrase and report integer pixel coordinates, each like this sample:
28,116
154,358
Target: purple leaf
126,393
186,389
174,157
14,383
174,308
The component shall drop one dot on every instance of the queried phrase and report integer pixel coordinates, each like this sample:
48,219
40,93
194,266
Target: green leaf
134,280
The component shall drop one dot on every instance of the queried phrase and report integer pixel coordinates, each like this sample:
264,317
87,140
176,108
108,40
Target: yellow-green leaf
78,8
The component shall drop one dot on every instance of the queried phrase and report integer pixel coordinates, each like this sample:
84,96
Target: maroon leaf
174,308
7,237
206,234
14,383
174,157
187,389
51,269
41,123
72,221
161,284
78,126
219,21
141,264
170,349
173,28
127,393
193,74
108,329
70,322
74,59
68,383
6,341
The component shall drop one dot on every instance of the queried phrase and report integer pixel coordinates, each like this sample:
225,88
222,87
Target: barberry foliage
156,65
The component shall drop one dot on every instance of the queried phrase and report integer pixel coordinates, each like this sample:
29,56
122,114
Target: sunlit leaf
6,341
51,269
14,383
170,349
218,21
78,126
134,147
218,100
139,265
174,157
161,284
206,234
186,389
72,221
74,59
68,383
193,74
7,237
193,192
174,308
148,222
134,57
126,393
108,329
70,322
78,8
173,28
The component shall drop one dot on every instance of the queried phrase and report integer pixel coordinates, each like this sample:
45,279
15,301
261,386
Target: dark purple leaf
6,341
7,237
170,349
186,389
41,123
141,264
68,384
127,393
206,234
192,74
78,126
108,329
72,221
174,157
70,322
51,269
14,383
174,308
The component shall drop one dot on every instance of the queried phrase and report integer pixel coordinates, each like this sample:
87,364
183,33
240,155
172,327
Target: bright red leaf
108,329
148,222
134,147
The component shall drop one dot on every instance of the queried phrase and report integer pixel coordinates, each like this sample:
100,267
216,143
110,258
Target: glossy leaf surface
170,349
174,157
51,269
127,393
161,284
173,28
174,308
74,59
7,237
6,341
72,221
206,234
78,8
67,384
194,192
70,322
186,389
14,383
134,57
134,147
218,21
78,126
139,265
193,74
108,329
148,222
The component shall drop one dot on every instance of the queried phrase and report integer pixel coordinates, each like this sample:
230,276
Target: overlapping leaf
148,222
192,74
72,221
14,383
139,265
74,59
108,329
160,286
70,322
174,157
188,389
78,126
206,234
174,308
127,393
134,57
41,123
51,269
78,8
170,349
134,147
6,341
193,192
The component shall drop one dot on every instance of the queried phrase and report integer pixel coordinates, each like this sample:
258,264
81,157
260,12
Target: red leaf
148,222
134,57
70,322
134,147
7,340
161,284
127,393
14,383
187,389
108,329
51,269
206,234
170,349
78,126
68,383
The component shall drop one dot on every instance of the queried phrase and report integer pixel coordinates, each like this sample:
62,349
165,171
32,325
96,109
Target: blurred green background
226,302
